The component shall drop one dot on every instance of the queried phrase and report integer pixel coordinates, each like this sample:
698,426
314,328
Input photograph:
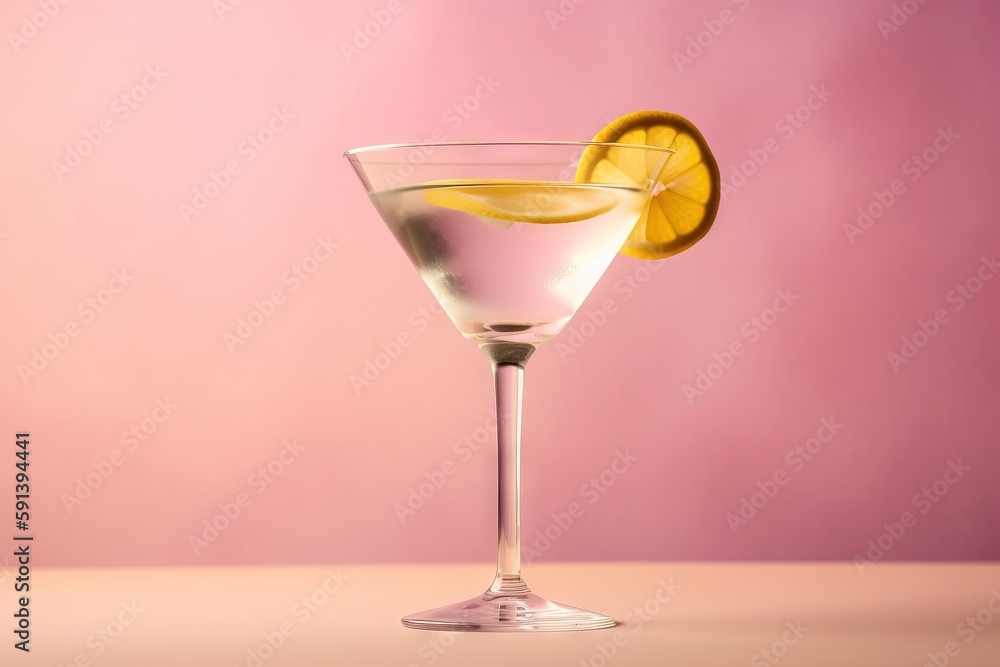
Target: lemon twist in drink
683,202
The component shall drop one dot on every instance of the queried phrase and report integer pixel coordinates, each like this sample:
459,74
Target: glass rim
445,144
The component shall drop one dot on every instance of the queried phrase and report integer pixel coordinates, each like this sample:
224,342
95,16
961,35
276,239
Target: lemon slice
685,199
521,201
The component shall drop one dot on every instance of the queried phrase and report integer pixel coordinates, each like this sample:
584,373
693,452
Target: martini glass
510,245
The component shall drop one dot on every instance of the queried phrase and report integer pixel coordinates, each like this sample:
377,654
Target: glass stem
508,361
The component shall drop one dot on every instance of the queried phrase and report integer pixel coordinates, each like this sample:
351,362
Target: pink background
163,335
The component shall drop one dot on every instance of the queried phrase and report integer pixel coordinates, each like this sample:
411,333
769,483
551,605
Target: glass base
518,612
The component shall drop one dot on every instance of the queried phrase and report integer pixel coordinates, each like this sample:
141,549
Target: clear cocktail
519,277
511,238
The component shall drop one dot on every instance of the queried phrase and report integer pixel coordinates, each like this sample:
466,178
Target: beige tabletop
669,614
